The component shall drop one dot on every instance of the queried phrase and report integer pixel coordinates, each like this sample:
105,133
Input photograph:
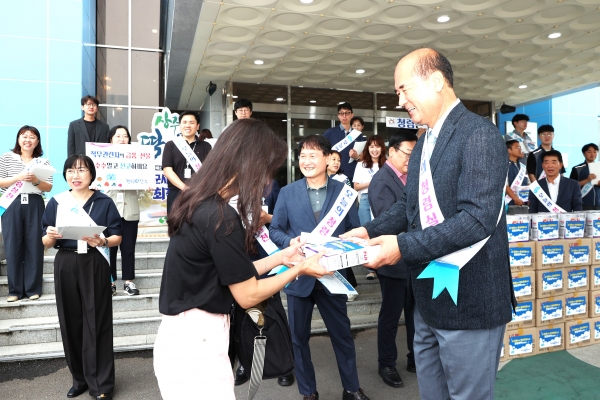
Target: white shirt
438,125
363,174
553,188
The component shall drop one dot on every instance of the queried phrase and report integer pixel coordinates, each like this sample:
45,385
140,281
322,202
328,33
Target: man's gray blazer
78,136
469,166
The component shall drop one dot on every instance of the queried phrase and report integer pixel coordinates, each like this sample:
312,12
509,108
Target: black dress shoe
76,392
360,395
287,380
411,368
314,396
240,376
104,396
391,376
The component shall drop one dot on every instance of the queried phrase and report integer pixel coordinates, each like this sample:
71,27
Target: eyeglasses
31,138
345,114
81,171
92,105
403,152
243,110
547,134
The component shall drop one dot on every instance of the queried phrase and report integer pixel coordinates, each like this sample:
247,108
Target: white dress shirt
433,134
553,188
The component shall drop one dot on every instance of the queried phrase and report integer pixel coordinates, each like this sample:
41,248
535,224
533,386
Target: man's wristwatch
37,183
105,242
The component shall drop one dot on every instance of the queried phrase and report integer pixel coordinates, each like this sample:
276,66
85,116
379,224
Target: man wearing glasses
534,160
338,133
86,129
242,108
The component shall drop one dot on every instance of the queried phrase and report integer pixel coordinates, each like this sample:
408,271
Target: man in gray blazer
386,188
86,129
458,339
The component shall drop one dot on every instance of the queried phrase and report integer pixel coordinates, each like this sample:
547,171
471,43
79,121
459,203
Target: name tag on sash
81,246
24,198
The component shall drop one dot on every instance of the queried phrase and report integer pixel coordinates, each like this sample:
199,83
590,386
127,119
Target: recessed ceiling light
443,18
259,62
154,30
554,35
313,101
383,107
522,86
306,1
284,120
360,71
279,99
398,106
341,102
235,97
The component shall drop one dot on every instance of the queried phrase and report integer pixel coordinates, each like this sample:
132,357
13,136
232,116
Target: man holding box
453,216
387,187
300,207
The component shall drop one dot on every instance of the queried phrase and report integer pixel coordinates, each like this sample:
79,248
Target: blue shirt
335,135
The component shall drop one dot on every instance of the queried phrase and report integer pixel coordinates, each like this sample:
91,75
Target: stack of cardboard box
557,286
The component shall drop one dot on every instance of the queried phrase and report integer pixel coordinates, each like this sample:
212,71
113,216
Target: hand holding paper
78,232
41,172
595,170
360,233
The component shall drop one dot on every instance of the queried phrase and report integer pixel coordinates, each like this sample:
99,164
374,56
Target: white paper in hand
594,169
42,172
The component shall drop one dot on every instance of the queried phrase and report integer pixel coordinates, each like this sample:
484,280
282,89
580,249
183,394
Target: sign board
396,122
122,166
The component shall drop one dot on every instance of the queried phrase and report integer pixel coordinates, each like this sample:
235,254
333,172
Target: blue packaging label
579,255
522,286
551,310
577,278
552,280
580,332
596,275
596,330
523,312
552,254
574,229
518,232
596,304
550,337
576,305
596,228
520,256
523,193
547,230
520,344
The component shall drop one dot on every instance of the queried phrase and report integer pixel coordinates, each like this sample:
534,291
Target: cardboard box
578,333
577,279
551,253
521,343
524,285
594,303
580,252
523,316
595,250
572,225
545,226
595,277
517,227
549,311
503,353
342,254
551,338
522,256
596,328
592,223
576,305
549,282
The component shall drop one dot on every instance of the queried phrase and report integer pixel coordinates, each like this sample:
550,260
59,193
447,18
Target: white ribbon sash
66,199
262,236
538,192
339,177
187,152
517,182
586,188
14,190
444,270
349,138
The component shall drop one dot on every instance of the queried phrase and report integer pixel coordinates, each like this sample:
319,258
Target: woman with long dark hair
207,265
21,226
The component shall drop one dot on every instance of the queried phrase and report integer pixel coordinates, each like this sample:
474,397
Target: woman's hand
293,254
265,218
94,241
52,233
27,177
312,267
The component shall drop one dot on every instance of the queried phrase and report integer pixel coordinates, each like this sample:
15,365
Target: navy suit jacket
385,190
469,165
294,215
336,134
569,196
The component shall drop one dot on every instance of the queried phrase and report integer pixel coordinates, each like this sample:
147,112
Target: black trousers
84,303
22,232
394,294
127,247
171,196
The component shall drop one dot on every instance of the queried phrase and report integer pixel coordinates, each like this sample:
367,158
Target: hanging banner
122,166
395,122
153,205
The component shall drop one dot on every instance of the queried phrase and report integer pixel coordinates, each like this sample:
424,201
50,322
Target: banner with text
122,166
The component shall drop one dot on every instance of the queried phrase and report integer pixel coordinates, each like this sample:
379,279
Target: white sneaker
351,297
130,289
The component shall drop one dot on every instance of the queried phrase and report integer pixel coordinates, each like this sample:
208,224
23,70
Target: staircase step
143,245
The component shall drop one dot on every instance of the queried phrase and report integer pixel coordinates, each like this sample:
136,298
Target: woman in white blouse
21,217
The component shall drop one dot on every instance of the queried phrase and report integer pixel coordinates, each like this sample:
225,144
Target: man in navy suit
386,188
300,207
565,192
458,339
